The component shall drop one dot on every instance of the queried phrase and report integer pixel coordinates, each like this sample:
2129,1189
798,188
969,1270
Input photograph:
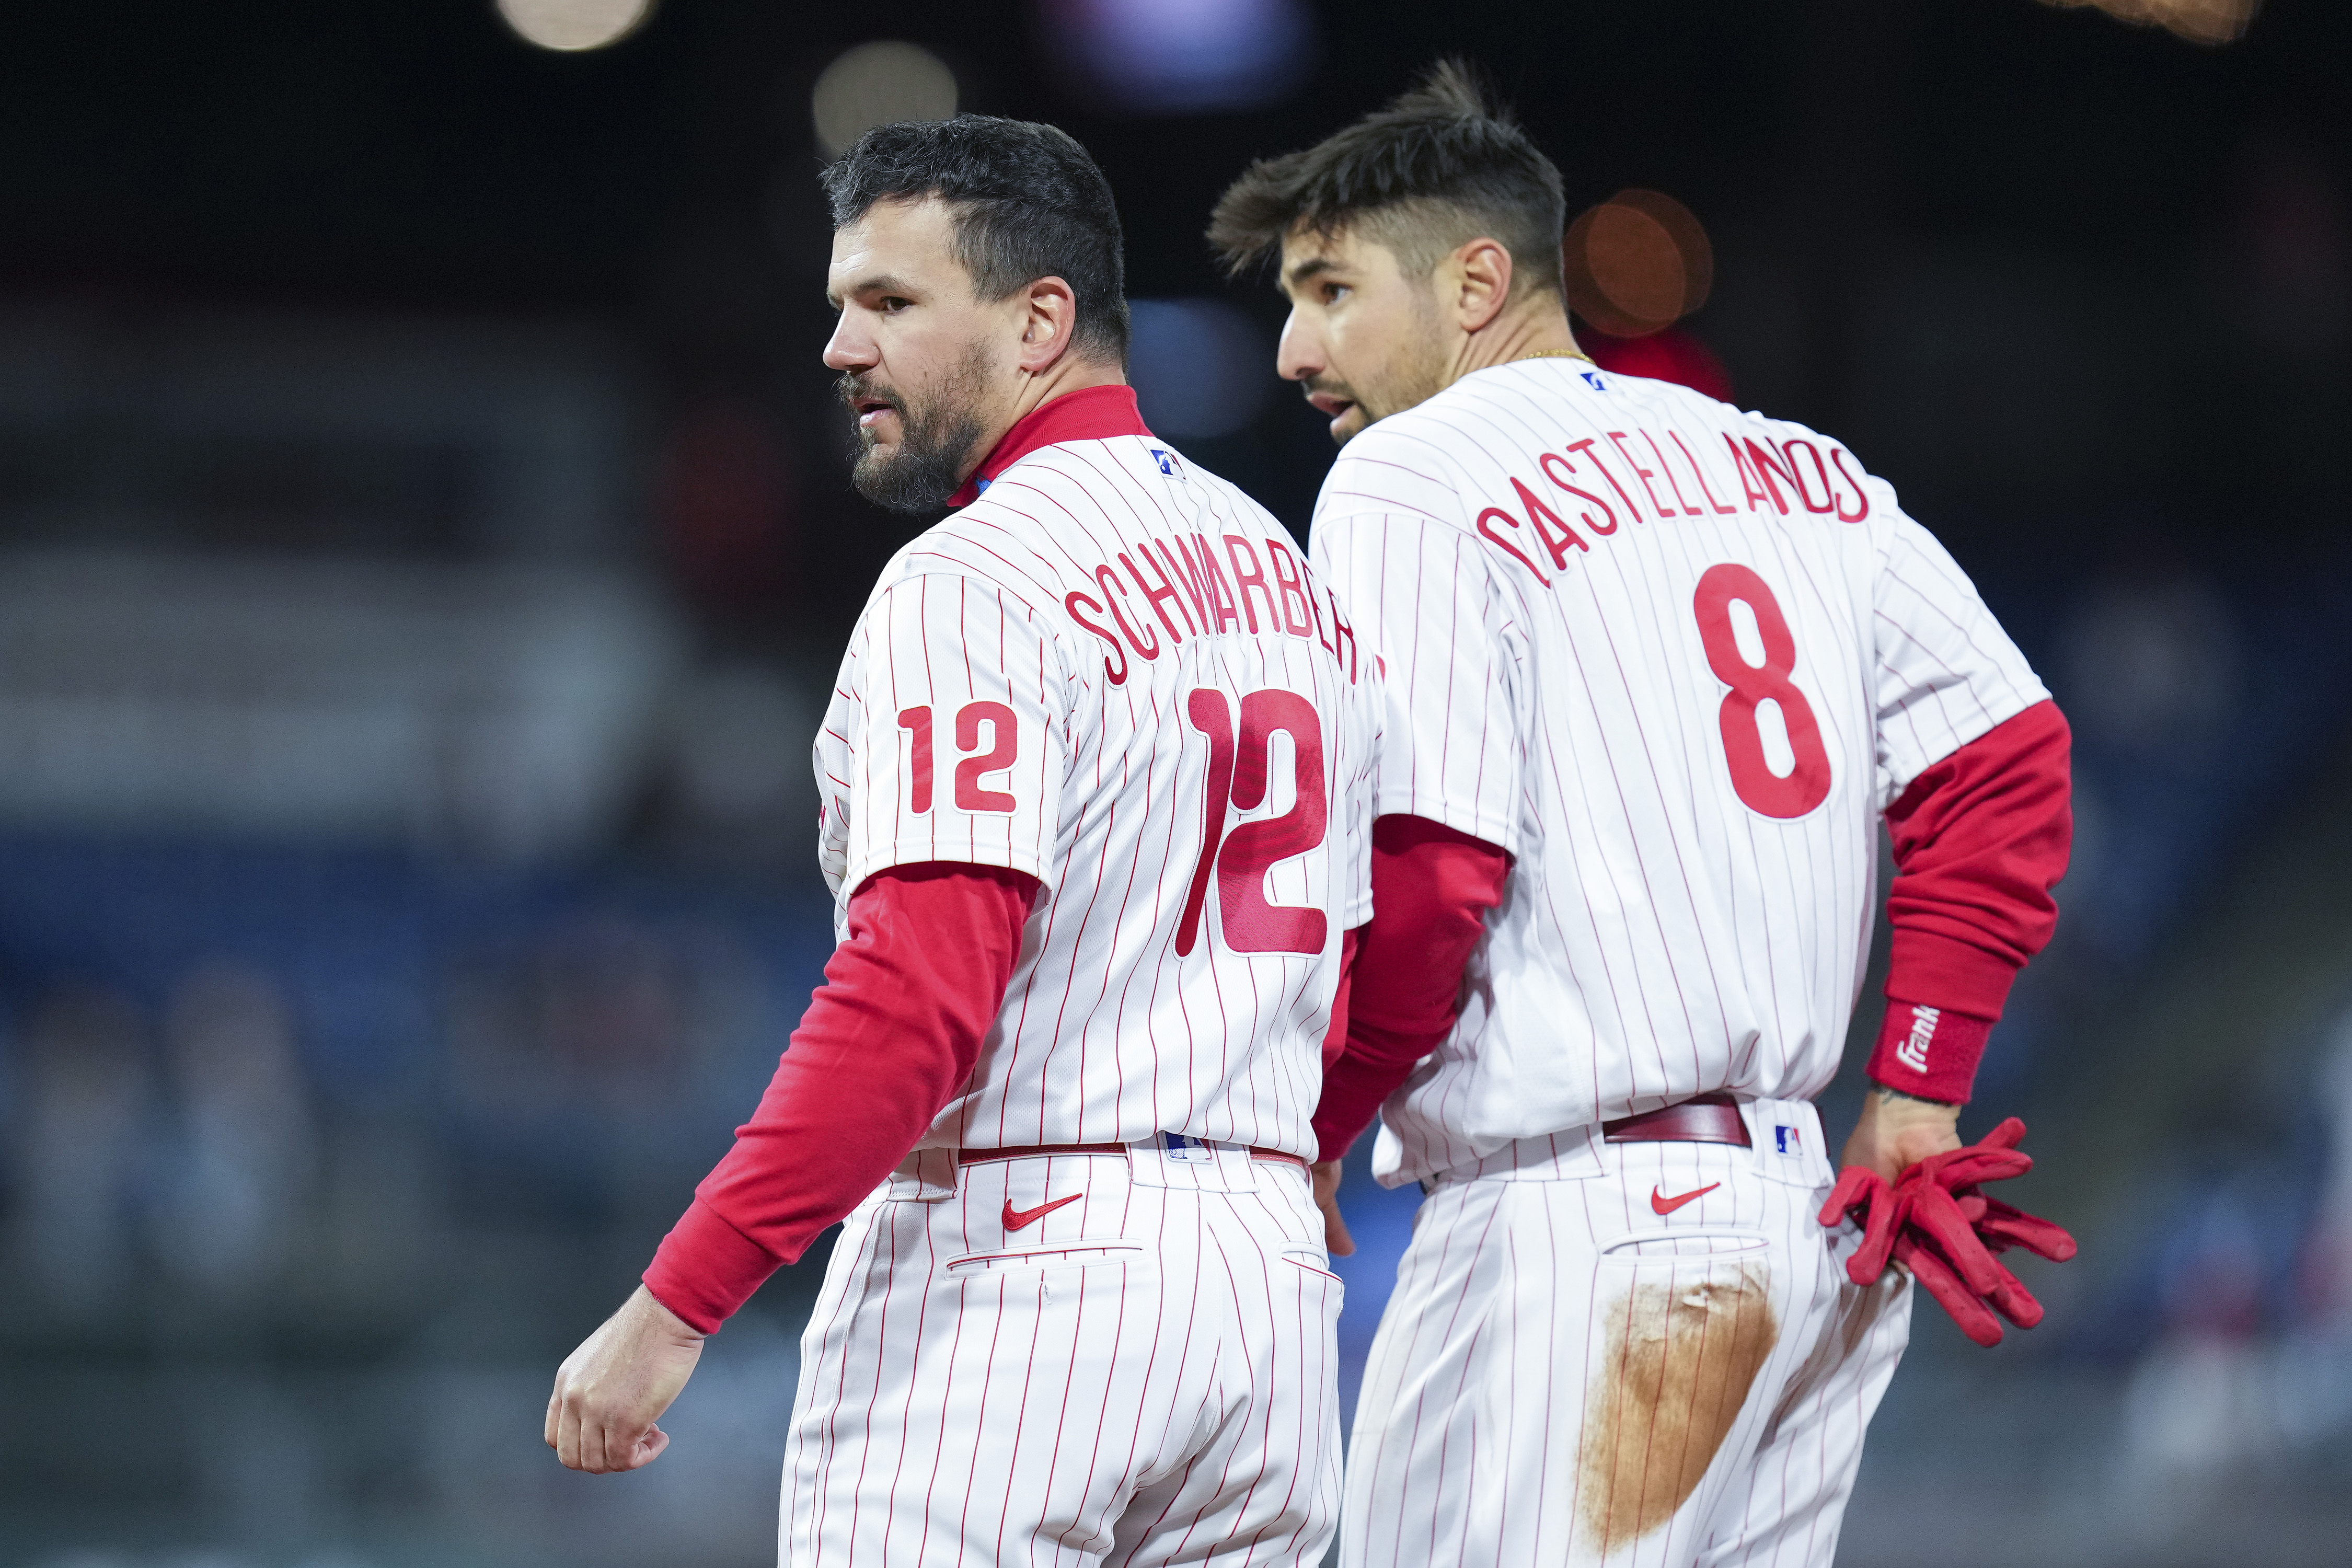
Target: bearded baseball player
1655,669
1097,809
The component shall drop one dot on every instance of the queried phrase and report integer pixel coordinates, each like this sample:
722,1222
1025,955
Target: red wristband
1930,1052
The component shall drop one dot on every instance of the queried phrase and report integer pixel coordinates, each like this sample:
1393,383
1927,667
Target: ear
1478,283
1049,315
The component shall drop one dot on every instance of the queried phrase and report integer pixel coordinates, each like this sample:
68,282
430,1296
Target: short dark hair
1441,165
1028,204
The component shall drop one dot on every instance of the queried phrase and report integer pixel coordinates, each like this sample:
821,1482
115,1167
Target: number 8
1807,784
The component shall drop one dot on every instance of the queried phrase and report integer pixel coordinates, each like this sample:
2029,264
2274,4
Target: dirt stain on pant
1680,1357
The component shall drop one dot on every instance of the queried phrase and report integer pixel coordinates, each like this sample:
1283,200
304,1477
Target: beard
1412,373
937,431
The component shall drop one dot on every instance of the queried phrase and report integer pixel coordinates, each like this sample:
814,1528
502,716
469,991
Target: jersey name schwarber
1114,673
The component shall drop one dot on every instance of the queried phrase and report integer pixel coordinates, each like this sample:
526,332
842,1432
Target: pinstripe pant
1142,1376
1566,1375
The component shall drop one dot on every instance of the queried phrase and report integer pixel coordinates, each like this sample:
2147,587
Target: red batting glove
1998,1225
1994,1226
1936,1276
1934,1215
1952,1255
1935,1222
2003,1227
1864,1193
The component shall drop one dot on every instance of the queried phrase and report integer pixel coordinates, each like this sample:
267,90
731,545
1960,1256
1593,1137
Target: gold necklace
1554,353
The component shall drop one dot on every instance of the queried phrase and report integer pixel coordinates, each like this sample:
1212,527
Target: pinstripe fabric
1073,610
1141,1378
1505,1423
1579,582
1526,549
1115,673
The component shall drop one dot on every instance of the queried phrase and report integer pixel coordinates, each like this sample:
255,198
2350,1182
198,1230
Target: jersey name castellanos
1675,659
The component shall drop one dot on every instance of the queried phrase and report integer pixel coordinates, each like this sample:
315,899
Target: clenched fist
611,1391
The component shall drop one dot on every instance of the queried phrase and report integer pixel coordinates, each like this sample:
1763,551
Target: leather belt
979,1156
1708,1119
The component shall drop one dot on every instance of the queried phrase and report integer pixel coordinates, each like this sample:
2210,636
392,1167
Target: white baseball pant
1141,1375
1566,1375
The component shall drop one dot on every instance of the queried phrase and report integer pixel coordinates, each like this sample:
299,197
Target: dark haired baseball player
1097,781
1659,668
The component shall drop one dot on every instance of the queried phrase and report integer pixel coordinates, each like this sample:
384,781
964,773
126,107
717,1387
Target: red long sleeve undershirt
888,1039
1432,887
1980,840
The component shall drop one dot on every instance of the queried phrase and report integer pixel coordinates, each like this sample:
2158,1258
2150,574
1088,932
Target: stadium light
878,84
571,26
2198,21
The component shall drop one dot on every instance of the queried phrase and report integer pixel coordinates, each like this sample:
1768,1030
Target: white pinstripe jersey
1677,659
1115,673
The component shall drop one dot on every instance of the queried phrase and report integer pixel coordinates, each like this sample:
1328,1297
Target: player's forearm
1374,1067
1980,839
1432,887
887,1041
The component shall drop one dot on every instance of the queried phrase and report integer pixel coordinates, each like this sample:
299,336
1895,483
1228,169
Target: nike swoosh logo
1659,1202
1017,1219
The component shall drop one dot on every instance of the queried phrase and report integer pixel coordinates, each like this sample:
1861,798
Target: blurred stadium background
425,547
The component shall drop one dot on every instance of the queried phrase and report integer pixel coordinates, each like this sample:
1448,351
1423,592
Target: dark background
424,550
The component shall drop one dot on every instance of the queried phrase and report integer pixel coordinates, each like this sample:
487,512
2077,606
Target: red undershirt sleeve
1980,839
888,1040
1335,1037
1432,887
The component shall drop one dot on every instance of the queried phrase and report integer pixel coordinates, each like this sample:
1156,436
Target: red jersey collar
1089,413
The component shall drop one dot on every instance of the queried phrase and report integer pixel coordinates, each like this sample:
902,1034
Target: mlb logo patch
1180,1147
1592,379
1786,1140
1167,461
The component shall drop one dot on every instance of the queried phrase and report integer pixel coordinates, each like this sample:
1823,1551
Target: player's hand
1935,1222
611,1391
1336,1239
1897,1132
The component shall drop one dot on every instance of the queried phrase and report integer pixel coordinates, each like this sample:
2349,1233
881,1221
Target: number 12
1238,778
969,795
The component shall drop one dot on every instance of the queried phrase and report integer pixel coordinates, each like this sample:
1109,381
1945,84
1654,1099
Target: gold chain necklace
1555,353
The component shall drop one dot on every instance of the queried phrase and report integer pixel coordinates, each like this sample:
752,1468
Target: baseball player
1656,668
1098,794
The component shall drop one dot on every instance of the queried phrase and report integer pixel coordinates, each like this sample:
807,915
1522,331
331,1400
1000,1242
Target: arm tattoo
1884,1092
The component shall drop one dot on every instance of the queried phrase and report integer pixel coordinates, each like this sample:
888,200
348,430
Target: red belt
977,1156
1708,1119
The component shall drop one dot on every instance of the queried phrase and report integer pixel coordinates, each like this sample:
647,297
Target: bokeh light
2199,21
572,26
1636,263
878,84
1180,56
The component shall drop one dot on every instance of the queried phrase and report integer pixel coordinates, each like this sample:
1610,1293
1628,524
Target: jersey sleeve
907,999
1357,780
1450,749
1945,672
1434,889
952,741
